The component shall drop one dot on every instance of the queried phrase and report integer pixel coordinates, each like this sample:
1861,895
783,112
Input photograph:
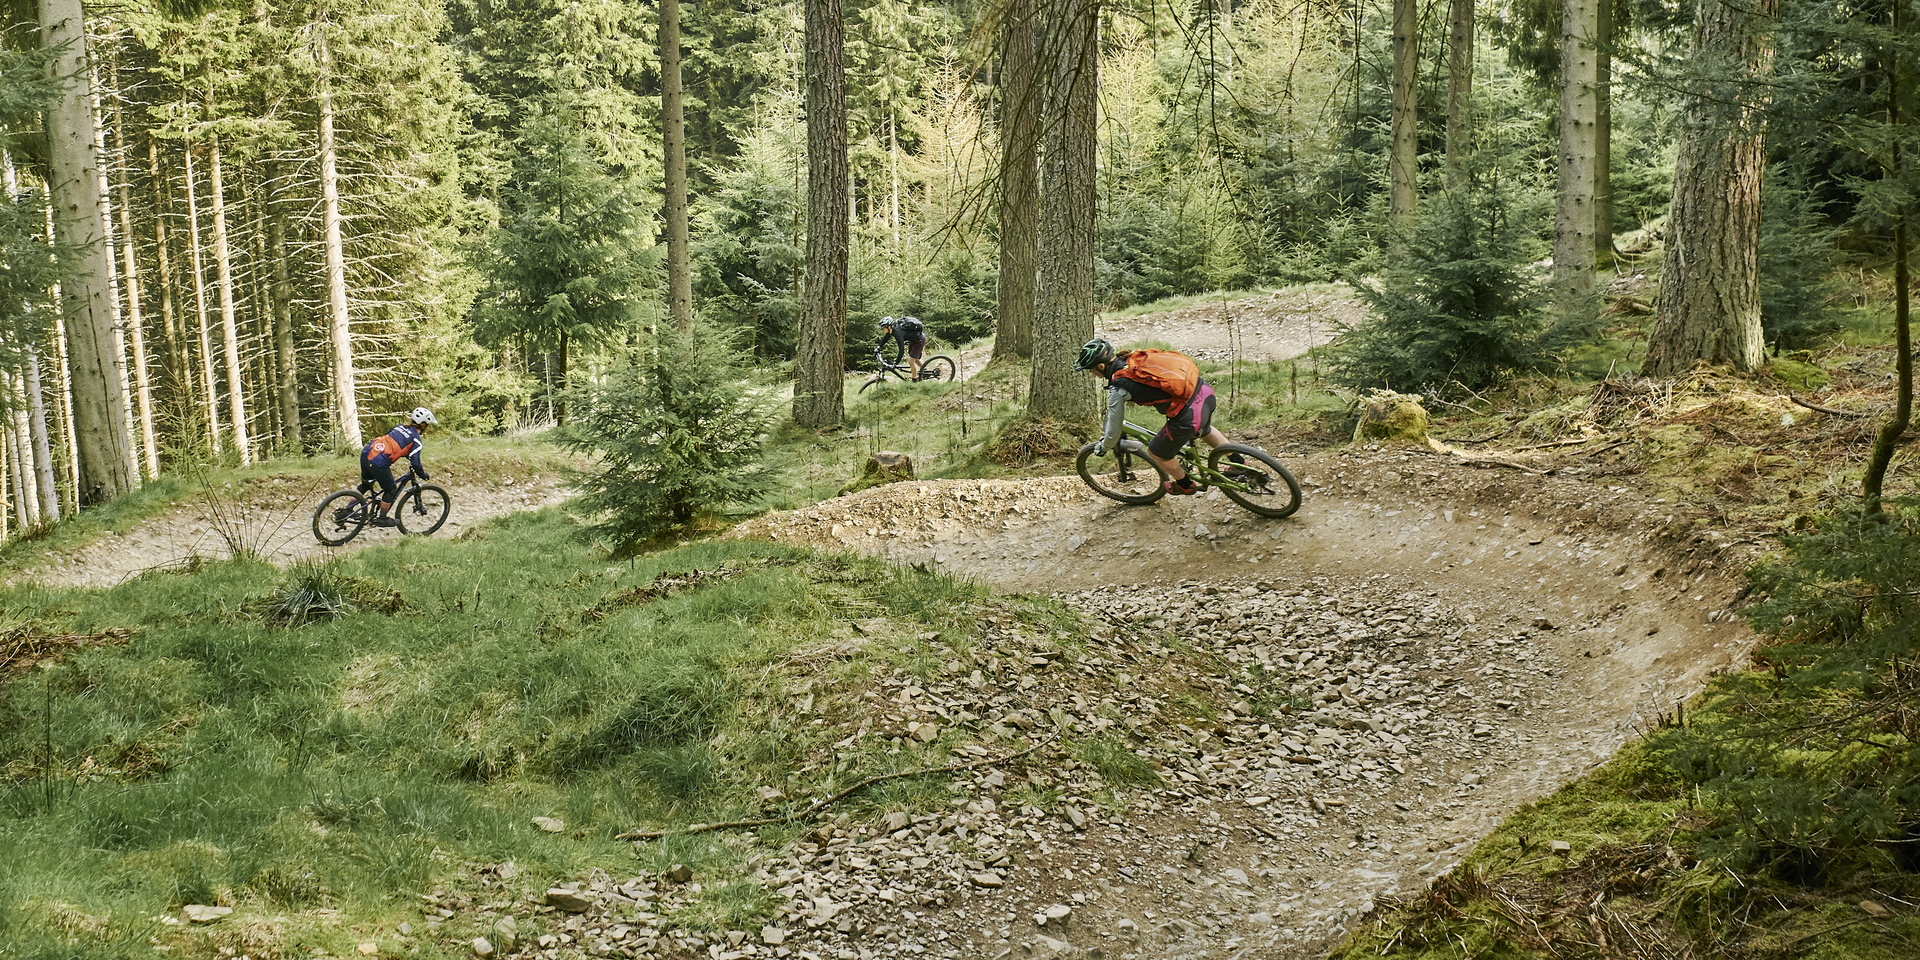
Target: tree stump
886,466
1391,417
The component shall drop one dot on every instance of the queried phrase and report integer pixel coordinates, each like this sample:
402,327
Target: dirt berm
1464,638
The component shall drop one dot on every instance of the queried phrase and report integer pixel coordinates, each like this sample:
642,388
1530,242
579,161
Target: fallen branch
819,805
1439,447
1837,413
1555,443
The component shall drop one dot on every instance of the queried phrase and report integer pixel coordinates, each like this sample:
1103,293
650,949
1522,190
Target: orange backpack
1172,372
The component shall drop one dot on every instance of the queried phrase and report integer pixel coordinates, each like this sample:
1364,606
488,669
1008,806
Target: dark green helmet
1096,353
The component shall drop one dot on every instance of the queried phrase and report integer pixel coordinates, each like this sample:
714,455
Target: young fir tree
1458,304
675,436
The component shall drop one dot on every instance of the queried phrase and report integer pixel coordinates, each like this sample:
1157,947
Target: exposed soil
271,518
1623,610
1565,613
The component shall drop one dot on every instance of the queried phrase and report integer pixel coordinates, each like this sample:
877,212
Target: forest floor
1474,630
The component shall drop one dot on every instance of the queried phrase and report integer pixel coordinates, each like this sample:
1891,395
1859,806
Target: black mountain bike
1249,476
419,509
932,368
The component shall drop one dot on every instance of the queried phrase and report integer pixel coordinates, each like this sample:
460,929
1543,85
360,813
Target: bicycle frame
886,366
371,488
1189,457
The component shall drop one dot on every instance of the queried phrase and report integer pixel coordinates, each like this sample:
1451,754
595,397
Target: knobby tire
937,368
423,509
1121,475
1275,495
334,531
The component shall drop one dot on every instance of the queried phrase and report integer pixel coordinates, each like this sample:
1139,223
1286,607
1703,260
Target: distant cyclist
377,458
1167,381
911,334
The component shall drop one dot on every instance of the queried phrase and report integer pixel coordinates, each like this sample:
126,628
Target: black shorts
1193,421
915,348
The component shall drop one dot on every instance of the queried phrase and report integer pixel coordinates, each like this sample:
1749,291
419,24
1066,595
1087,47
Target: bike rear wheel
423,509
1121,475
1272,491
937,368
340,517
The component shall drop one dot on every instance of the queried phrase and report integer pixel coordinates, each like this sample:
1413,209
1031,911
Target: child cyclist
377,458
1166,381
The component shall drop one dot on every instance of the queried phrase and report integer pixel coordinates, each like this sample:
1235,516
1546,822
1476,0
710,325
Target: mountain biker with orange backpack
1167,381
377,458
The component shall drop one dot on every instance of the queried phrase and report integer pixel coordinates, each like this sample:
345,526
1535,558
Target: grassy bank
317,747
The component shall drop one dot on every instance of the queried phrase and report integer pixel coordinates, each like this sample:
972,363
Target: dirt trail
1618,613
271,517
1578,613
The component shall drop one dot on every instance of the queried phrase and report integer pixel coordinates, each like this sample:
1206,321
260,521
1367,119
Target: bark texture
1573,220
1063,314
1019,184
100,414
1459,89
1403,160
819,368
1709,303
345,400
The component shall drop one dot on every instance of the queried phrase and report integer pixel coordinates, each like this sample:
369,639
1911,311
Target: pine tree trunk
341,328
1603,139
23,504
1708,307
176,365
229,322
287,381
203,329
100,415
1872,485
819,368
1019,185
1403,161
136,315
42,465
1063,311
122,378
1459,90
63,371
674,141
1573,219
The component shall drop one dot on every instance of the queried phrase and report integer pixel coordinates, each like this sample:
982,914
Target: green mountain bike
1249,476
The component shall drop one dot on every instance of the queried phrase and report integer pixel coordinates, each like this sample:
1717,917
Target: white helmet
421,415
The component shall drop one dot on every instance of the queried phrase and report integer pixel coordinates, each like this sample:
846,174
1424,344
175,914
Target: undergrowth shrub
1808,765
1456,302
676,437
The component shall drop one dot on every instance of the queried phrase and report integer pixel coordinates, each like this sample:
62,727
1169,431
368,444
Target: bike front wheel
878,378
937,368
1271,490
340,517
422,509
1121,475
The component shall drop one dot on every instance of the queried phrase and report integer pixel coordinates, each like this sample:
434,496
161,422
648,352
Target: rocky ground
1424,647
1319,711
1326,710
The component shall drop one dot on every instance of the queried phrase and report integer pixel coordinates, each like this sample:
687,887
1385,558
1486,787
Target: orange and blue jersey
386,450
